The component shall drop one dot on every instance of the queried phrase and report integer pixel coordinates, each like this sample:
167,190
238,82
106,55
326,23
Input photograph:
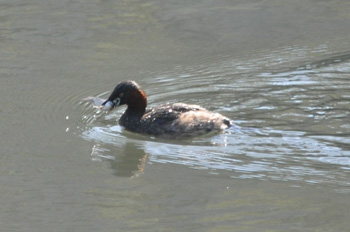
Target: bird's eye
116,101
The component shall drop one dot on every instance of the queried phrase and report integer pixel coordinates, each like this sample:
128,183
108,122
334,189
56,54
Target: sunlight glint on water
286,106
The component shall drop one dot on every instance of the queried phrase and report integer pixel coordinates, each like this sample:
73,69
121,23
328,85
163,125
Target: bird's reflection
127,162
131,162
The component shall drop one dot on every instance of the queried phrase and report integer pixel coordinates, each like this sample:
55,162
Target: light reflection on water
302,116
277,155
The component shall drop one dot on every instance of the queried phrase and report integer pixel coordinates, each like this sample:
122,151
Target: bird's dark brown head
129,93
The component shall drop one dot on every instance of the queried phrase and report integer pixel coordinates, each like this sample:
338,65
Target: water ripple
302,114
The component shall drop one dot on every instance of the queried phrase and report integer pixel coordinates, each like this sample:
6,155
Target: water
279,70
289,142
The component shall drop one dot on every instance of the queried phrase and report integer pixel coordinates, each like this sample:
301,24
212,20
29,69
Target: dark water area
280,70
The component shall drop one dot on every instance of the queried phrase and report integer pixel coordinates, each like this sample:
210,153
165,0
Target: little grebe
172,120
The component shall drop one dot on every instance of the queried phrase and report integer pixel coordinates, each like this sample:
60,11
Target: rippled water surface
290,125
279,70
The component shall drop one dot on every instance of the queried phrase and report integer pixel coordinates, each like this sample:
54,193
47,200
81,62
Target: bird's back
181,120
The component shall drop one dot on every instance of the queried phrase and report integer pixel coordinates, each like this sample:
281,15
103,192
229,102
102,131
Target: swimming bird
171,120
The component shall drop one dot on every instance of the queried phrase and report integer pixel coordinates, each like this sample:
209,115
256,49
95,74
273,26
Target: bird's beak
108,105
